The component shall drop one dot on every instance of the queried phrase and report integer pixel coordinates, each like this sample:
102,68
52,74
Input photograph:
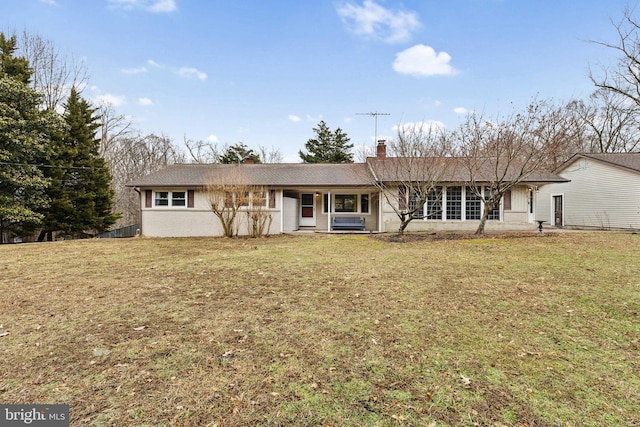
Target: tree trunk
404,222
489,206
483,221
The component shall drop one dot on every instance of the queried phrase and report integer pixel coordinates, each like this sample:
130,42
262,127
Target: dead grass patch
339,330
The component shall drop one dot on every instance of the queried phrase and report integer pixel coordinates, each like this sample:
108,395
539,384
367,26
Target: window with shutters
178,199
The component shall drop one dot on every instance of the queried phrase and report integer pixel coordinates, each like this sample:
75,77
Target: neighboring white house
174,201
603,193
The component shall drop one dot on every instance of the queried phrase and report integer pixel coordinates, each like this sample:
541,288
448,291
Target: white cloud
421,61
460,110
190,73
213,138
49,2
153,63
374,21
163,6
155,6
294,118
137,70
110,99
145,102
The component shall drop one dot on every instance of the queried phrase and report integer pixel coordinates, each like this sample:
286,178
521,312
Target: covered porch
316,209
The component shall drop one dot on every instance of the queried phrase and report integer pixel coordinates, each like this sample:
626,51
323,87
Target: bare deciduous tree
211,152
500,154
236,203
624,79
132,156
54,73
270,155
113,127
610,123
203,152
417,164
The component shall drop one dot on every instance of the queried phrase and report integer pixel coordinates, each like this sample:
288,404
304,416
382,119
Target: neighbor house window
346,203
454,202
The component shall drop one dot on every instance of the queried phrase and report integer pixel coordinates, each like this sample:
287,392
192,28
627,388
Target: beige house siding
191,222
599,195
519,212
517,218
161,221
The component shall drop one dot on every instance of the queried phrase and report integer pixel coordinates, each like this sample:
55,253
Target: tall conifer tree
24,138
82,199
327,147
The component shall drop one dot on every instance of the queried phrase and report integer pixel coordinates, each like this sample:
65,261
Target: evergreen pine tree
327,147
239,153
82,199
24,138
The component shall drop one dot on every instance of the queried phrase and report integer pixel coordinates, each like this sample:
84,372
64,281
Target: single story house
174,201
603,193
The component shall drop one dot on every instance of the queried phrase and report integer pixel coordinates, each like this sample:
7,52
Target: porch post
380,203
281,210
329,211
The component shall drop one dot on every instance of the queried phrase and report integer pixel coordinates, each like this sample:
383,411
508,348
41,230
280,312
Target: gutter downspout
137,189
329,211
281,211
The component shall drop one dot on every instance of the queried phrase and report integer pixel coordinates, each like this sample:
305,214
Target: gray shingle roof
451,169
304,174
273,174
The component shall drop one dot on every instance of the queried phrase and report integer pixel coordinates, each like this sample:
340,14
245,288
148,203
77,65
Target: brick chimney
249,160
381,150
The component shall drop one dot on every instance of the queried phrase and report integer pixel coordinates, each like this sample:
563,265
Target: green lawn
540,330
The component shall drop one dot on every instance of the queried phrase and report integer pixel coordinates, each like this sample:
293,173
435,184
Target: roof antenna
375,115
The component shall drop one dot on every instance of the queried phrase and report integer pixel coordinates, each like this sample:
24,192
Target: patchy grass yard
540,330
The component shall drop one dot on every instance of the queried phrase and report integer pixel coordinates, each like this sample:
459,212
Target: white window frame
463,205
265,196
170,199
358,200
179,201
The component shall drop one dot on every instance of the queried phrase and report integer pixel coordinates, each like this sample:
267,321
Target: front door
531,205
557,211
307,210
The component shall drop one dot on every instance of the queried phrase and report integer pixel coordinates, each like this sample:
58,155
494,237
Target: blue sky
266,72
